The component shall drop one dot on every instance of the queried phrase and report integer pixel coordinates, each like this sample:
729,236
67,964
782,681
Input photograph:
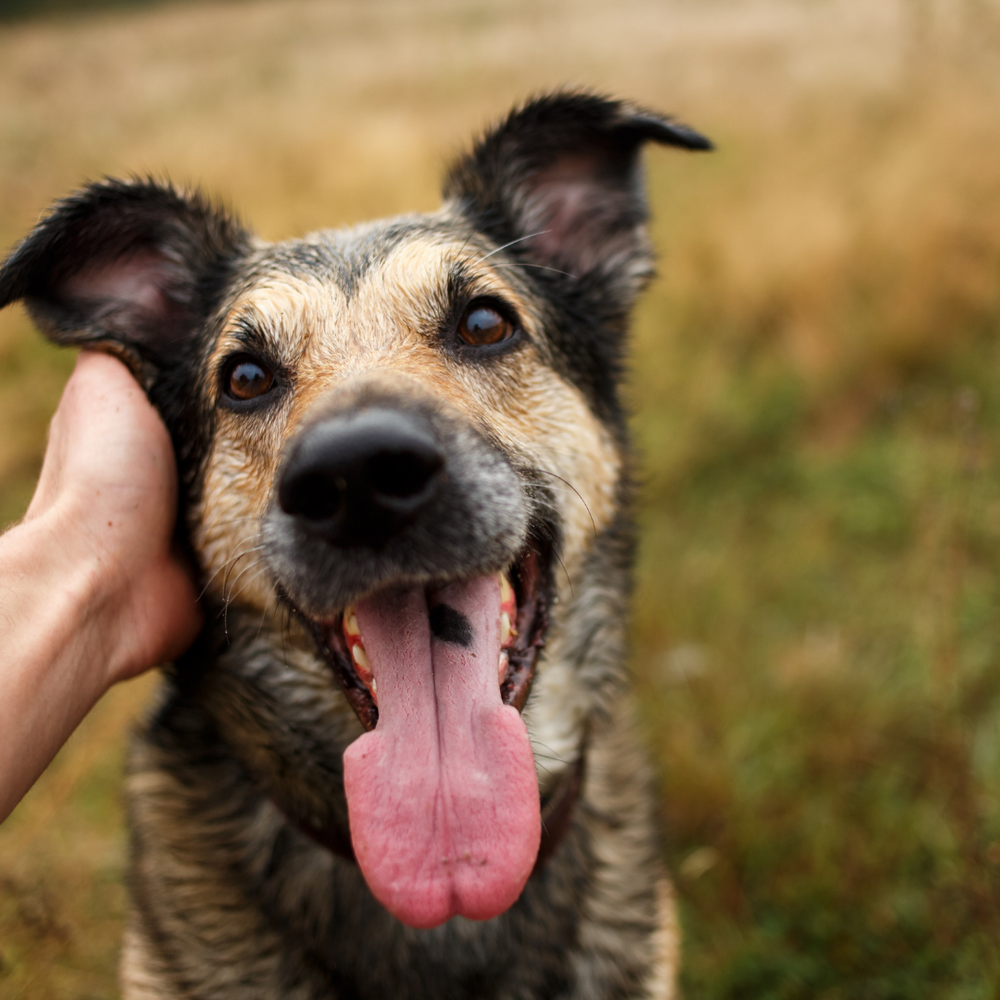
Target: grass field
817,414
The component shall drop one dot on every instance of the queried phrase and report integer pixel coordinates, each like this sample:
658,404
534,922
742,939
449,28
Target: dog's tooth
505,629
364,669
504,663
351,621
506,590
361,657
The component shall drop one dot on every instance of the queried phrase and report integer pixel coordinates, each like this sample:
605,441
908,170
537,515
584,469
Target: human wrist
52,617
75,590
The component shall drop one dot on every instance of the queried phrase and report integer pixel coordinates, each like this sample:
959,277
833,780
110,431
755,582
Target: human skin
91,592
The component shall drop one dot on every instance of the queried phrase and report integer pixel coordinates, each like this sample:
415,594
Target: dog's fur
240,883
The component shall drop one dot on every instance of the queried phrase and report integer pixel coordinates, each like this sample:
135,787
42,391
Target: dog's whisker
561,492
208,582
226,591
229,521
566,482
569,579
243,554
541,267
225,567
263,615
552,755
230,566
233,595
520,239
231,562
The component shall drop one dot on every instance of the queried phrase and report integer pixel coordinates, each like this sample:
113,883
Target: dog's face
402,454
392,426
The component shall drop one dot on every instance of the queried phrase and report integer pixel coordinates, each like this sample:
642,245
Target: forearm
57,642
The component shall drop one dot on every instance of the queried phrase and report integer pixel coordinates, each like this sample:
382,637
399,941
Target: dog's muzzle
384,489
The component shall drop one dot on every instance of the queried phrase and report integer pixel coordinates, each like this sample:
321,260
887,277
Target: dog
398,762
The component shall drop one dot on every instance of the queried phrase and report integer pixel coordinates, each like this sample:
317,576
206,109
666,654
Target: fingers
109,485
105,435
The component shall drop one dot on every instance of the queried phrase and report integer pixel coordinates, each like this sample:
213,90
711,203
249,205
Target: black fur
190,251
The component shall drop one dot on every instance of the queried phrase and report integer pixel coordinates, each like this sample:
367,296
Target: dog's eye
482,325
247,379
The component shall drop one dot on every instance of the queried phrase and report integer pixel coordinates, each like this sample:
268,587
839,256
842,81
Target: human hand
90,590
108,497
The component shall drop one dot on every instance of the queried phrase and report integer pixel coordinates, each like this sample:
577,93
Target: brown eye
482,325
248,380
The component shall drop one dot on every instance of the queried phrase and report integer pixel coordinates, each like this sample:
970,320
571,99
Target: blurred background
816,409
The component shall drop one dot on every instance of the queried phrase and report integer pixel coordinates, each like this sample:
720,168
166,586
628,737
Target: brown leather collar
557,814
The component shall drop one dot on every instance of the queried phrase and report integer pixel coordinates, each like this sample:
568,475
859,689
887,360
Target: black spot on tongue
450,625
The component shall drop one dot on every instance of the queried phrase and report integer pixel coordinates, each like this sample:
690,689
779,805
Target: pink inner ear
576,204
564,203
136,281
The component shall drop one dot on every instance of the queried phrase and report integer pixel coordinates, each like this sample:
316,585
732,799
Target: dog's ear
130,266
560,181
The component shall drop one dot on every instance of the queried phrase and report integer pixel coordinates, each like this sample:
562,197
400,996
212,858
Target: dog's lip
529,576
530,579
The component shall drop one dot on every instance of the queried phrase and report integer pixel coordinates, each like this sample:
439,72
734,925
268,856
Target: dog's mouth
524,601
442,792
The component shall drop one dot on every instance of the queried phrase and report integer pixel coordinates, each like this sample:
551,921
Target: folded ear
131,266
560,181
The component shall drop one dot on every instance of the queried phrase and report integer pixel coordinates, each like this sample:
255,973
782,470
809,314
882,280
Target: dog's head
401,451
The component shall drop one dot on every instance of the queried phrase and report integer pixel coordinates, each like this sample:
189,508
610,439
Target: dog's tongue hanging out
442,794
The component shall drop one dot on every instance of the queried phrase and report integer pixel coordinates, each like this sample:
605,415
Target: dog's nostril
402,475
358,478
312,495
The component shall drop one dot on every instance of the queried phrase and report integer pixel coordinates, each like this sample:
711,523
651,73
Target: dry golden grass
816,625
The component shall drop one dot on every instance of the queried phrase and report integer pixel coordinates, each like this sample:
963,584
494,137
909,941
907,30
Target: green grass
817,418
822,664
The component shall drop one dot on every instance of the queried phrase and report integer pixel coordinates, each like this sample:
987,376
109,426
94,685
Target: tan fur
380,337
662,983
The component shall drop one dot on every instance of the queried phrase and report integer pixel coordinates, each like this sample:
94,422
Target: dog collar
557,815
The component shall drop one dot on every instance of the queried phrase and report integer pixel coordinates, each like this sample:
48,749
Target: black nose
358,478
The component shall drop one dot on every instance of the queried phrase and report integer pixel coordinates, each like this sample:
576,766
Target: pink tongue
442,795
